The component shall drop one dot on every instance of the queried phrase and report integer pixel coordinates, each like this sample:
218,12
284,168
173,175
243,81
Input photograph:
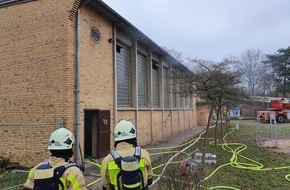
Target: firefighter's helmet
61,139
124,130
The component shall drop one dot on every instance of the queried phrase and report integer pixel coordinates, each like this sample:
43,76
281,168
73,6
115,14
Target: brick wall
152,127
202,114
35,77
96,65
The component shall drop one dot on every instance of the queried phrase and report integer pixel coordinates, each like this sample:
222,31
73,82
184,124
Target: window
181,101
187,101
165,88
174,90
191,101
142,80
123,59
155,83
4,3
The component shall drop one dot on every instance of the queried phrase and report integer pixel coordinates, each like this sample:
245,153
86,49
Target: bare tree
267,85
252,68
218,84
174,53
215,83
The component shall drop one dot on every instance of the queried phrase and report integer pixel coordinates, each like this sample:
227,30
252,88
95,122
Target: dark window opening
118,48
155,65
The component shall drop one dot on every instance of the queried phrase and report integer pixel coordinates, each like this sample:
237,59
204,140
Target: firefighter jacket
108,170
72,178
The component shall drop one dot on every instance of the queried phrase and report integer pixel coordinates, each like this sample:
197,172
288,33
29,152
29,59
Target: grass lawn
254,167
8,179
241,164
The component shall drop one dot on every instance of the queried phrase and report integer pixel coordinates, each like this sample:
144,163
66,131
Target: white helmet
61,139
124,130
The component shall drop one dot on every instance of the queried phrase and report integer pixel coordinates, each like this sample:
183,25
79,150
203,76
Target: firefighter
135,161
43,176
225,111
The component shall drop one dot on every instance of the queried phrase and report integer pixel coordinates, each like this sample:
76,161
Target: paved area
92,170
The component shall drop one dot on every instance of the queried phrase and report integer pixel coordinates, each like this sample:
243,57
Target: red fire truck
282,110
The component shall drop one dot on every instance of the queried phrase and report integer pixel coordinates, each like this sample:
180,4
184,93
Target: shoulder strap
137,153
58,171
116,157
68,165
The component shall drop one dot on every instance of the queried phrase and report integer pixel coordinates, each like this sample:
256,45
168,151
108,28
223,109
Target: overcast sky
210,29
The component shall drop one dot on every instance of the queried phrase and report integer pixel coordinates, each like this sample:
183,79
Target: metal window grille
165,88
123,58
191,101
174,91
155,84
184,102
187,101
142,80
181,101
174,100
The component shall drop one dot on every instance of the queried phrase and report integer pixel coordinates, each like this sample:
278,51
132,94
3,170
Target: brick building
80,65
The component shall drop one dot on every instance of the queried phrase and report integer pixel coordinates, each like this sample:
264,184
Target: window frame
142,69
121,103
155,84
165,90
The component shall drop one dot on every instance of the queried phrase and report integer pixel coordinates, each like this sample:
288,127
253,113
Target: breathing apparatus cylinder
131,174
